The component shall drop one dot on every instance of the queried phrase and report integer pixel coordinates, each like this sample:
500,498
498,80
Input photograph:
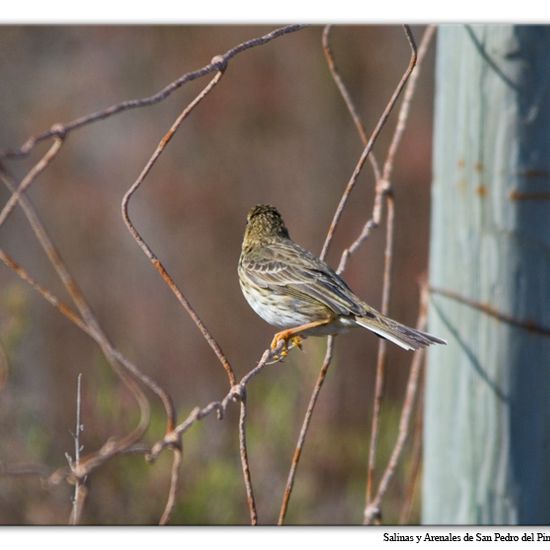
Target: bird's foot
296,342
289,342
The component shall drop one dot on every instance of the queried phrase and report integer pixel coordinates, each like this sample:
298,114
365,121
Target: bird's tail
401,335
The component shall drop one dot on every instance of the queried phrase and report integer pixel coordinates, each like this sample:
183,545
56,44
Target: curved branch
60,130
145,247
372,140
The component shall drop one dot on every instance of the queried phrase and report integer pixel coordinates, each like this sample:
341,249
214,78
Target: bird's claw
288,343
296,342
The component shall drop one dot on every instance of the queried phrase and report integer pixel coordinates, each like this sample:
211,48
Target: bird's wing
286,267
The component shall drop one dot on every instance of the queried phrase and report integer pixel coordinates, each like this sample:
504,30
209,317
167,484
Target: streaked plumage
289,287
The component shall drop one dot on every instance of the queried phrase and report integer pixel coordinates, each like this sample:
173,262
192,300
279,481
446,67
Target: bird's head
263,223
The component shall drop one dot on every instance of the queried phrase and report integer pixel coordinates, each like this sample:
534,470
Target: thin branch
373,508
329,56
87,322
72,316
305,426
64,309
408,95
384,192
174,479
87,316
343,201
60,130
383,187
80,490
370,144
219,407
145,247
416,453
26,182
491,311
24,470
172,438
382,349
112,446
244,461
77,296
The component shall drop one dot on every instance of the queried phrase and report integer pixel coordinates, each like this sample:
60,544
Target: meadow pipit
294,290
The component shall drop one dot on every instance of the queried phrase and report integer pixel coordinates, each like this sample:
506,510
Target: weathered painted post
487,415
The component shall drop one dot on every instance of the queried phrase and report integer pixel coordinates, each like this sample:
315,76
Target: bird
297,292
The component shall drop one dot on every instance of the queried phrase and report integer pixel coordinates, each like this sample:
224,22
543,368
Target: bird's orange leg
292,334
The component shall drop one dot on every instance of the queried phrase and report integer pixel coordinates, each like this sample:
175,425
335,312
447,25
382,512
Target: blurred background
274,130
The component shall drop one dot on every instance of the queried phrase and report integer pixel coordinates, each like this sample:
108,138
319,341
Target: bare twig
145,247
87,317
26,182
44,292
174,479
329,56
373,507
370,144
244,460
382,348
112,446
305,426
86,321
219,407
416,453
383,187
385,192
80,490
72,316
343,201
60,130
491,311
24,470
181,296
172,438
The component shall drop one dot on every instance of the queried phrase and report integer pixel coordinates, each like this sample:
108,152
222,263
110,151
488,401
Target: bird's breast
279,311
